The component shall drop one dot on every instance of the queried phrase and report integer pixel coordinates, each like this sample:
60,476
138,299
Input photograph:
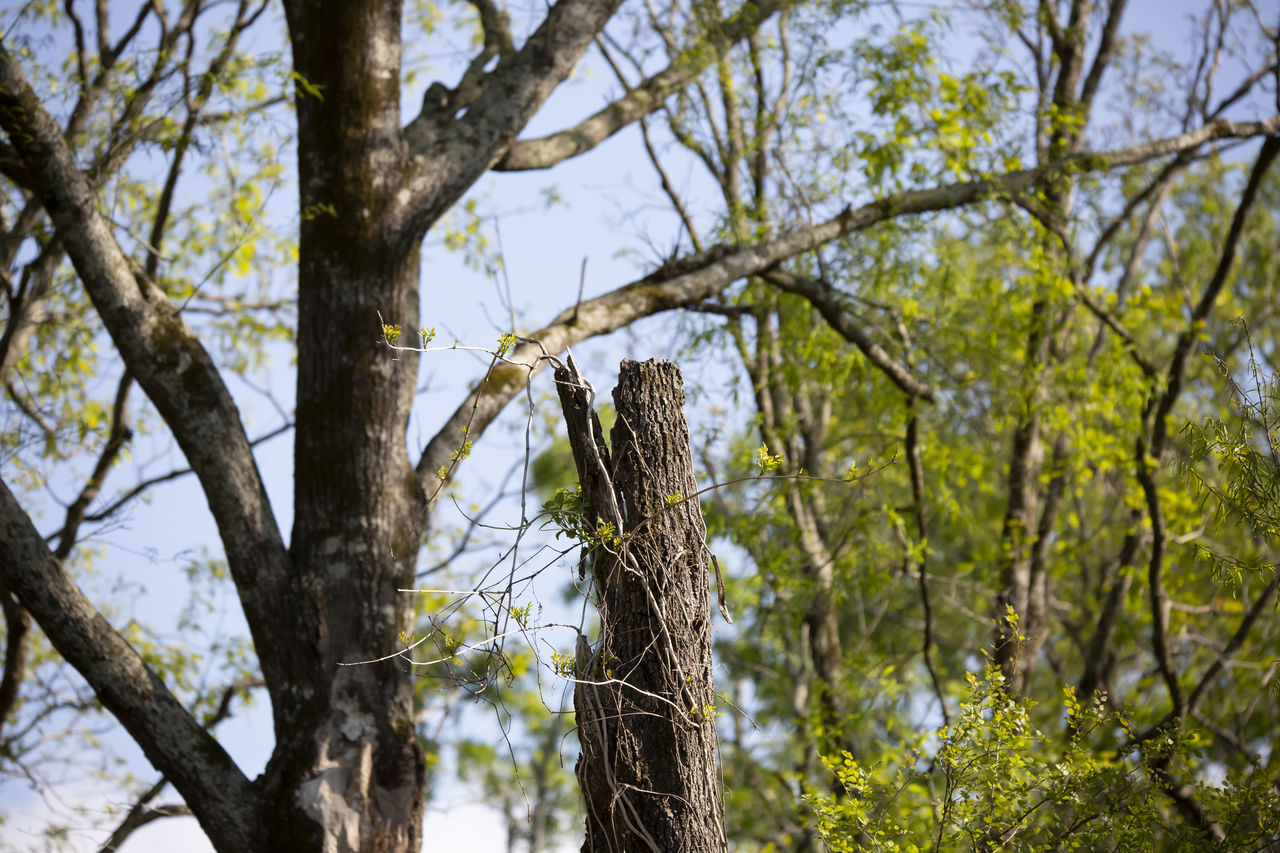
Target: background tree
999,533
1052,314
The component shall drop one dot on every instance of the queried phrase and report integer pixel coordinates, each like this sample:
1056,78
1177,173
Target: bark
644,699
347,772
474,135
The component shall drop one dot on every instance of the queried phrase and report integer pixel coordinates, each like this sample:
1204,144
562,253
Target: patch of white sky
610,213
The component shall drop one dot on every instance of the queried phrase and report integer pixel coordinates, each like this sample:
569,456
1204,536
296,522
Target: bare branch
17,628
1158,418
82,55
825,299
1245,87
1157,187
664,179
927,639
496,26
1214,131
117,437
141,813
471,142
244,19
28,309
25,406
169,736
113,507
547,151
700,276
1188,340
1102,58
1259,606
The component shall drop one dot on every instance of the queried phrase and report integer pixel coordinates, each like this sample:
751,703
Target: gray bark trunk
347,773
645,703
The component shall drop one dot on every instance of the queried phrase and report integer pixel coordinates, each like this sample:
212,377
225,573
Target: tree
1003,780
990,290
347,771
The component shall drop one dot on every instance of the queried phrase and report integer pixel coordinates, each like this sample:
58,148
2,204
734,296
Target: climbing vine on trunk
644,698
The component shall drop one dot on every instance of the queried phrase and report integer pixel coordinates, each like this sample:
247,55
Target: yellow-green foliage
993,780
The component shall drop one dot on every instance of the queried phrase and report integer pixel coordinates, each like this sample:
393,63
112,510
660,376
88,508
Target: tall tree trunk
645,703
348,772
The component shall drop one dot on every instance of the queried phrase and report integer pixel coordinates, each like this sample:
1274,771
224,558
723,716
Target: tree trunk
644,701
348,773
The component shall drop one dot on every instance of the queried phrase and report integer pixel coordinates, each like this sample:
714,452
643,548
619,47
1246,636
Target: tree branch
172,740
195,107
700,276
117,437
141,814
1214,131
167,360
472,142
1106,47
1158,414
825,299
29,309
496,26
17,628
141,487
927,639
547,151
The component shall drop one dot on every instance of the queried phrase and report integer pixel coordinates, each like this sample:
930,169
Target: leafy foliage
993,780
1245,450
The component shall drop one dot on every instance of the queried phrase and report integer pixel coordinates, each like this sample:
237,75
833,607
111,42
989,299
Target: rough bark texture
348,771
645,703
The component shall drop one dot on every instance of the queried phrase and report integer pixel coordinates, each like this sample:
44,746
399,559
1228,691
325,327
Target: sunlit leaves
1245,449
993,779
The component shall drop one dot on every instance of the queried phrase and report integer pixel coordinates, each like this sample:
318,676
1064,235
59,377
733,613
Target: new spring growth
765,461
506,342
